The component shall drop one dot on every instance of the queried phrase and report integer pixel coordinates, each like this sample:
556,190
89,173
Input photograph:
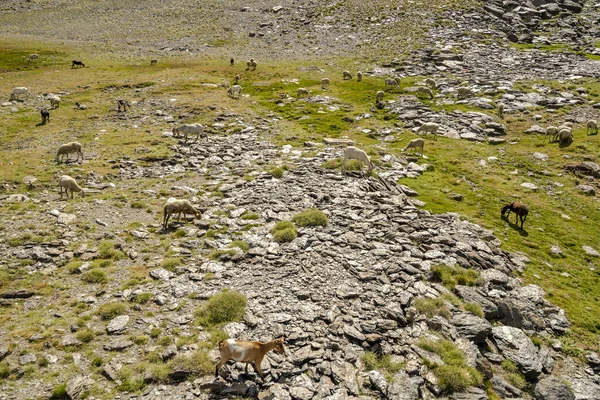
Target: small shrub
179,233
141,340
250,216
277,172
138,204
106,249
452,276
110,310
142,298
379,362
165,341
431,307
474,309
198,363
284,232
97,361
85,335
311,217
155,332
221,308
170,263
94,276
240,244
43,362
59,392
217,254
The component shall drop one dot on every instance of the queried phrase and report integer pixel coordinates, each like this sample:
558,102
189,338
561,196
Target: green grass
94,276
59,392
85,335
311,217
452,276
142,298
110,310
107,249
170,263
382,363
277,172
240,244
4,370
284,232
439,306
221,308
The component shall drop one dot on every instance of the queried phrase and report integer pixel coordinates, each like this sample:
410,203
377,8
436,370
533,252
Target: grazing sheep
592,127
153,62
45,115
355,153
346,75
565,135
551,133
568,125
247,352
430,83
464,92
123,103
500,110
235,91
188,129
68,183
359,76
54,101
519,209
77,64
392,82
80,106
379,96
33,57
175,206
325,83
425,90
18,92
302,92
231,61
237,79
72,147
251,64
429,127
415,144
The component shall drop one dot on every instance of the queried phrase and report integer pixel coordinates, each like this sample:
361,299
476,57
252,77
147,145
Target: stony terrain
387,300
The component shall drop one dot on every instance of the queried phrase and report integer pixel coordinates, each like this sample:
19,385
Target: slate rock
518,348
77,385
551,388
117,324
471,326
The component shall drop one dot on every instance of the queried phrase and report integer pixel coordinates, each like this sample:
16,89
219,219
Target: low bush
311,217
221,308
284,232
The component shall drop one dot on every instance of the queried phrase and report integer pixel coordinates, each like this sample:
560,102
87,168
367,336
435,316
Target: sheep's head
82,192
279,349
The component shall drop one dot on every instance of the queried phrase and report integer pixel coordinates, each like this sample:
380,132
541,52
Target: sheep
153,62
415,144
430,83
33,57
173,206
551,133
425,90
592,127
45,115
235,91
123,103
251,64
464,92
392,82
355,153
519,209
237,79
346,75
302,92
72,147
18,92
187,129
68,183
231,61
54,101
565,135
77,64
429,127
500,110
80,106
325,83
359,76
379,96
247,352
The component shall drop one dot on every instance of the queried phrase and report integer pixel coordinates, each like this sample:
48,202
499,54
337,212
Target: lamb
123,103
464,92
247,352
551,133
68,183
302,92
173,206
379,96
519,209
500,110
251,64
359,76
33,57
153,62
415,144
355,153
425,90
187,129
325,83
392,82
429,127
237,79
77,64
235,91
54,101
18,92
592,127
346,75
72,147
45,115
565,135
430,83
80,106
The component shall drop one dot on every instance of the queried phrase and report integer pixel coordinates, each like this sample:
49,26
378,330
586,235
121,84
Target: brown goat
247,352
519,209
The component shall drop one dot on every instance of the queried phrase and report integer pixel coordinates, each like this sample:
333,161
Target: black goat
45,115
77,64
519,209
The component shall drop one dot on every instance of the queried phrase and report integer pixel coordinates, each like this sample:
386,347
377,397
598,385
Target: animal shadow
516,227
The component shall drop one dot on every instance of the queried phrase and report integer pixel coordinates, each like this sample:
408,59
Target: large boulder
551,388
471,326
518,348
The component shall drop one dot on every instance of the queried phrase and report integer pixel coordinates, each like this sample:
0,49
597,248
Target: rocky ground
335,292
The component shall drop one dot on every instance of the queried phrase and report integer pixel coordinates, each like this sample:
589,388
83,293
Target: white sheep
19,92
565,126
565,135
500,110
430,83
392,82
33,57
592,127
551,133
429,127
359,76
178,206
379,96
347,75
68,148
251,64
325,83
425,90
354,153
68,183
415,144
54,101
464,92
302,92
188,129
235,91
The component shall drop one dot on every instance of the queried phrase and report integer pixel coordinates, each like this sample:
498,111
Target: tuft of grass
86,335
277,172
97,361
179,233
107,249
155,332
4,370
221,308
250,216
452,276
240,244
381,362
311,217
94,276
474,309
514,376
141,340
198,363
59,392
284,232
110,310
142,298
138,204
170,263
431,307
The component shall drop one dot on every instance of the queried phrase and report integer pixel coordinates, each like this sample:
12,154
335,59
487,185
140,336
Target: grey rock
586,189
344,374
503,388
117,325
551,388
378,381
590,251
4,351
118,344
472,295
110,370
77,385
70,340
66,219
404,387
471,326
518,348
169,352
27,359
161,274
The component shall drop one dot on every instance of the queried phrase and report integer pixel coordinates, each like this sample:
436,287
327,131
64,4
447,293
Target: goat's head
279,349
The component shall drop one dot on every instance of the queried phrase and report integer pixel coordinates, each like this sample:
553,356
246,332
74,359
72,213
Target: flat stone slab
337,142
